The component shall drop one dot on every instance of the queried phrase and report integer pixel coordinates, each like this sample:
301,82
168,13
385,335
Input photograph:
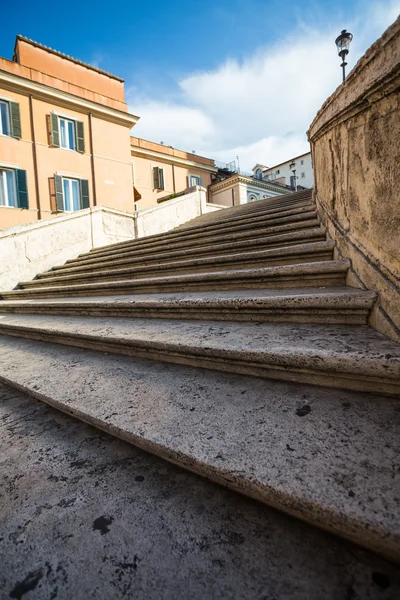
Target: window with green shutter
13,188
10,119
59,193
15,120
71,194
85,193
66,133
54,130
158,178
22,188
79,134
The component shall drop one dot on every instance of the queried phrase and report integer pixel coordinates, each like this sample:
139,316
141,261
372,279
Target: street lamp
343,44
292,167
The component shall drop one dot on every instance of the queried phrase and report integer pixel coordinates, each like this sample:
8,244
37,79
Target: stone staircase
232,347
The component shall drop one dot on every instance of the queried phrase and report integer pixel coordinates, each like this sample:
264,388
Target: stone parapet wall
170,214
26,250
355,148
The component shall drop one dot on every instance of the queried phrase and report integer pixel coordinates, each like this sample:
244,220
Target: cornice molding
135,151
61,98
248,181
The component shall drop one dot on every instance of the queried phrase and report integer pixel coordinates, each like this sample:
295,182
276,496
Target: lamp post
292,167
343,44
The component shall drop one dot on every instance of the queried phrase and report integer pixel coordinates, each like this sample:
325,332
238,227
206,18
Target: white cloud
259,109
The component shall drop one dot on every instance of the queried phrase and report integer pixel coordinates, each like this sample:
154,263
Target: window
10,120
158,178
195,180
66,133
277,172
258,174
70,194
13,188
303,175
302,162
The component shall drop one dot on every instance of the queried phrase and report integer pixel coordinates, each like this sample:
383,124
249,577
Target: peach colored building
159,171
64,136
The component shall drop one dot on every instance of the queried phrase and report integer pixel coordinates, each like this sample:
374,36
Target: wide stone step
353,357
245,260
178,522
304,305
214,249
325,273
288,216
315,453
204,237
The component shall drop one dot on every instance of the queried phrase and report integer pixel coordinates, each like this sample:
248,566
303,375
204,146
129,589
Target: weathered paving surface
85,515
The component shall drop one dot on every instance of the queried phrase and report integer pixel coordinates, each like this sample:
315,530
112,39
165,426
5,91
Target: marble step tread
344,356
272,242
204,237
271,257
314,274
312,305
291,216
313,452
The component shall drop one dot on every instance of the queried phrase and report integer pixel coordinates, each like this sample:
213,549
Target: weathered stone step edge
223,216
221,458
272,242
244,212
220,218
311,308
267,205
245,260
327,368
175,234
272,254
314,274
188,244
204,237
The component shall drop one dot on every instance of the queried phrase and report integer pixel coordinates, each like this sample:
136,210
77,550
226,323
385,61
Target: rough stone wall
355,147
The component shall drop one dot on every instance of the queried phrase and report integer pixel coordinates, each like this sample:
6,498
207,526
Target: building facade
64,136
160,171
283,173
240,189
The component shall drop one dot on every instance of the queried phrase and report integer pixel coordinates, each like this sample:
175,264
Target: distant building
159,171
282,172
240,189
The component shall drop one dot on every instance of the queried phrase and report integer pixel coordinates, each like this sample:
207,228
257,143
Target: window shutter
80,140
161,179
59,193
55,135
15,120
156,178
84,193
22,188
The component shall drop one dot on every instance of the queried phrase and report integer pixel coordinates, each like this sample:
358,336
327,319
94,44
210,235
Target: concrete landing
314,453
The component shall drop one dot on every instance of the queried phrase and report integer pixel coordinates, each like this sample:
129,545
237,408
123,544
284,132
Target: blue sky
222,77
